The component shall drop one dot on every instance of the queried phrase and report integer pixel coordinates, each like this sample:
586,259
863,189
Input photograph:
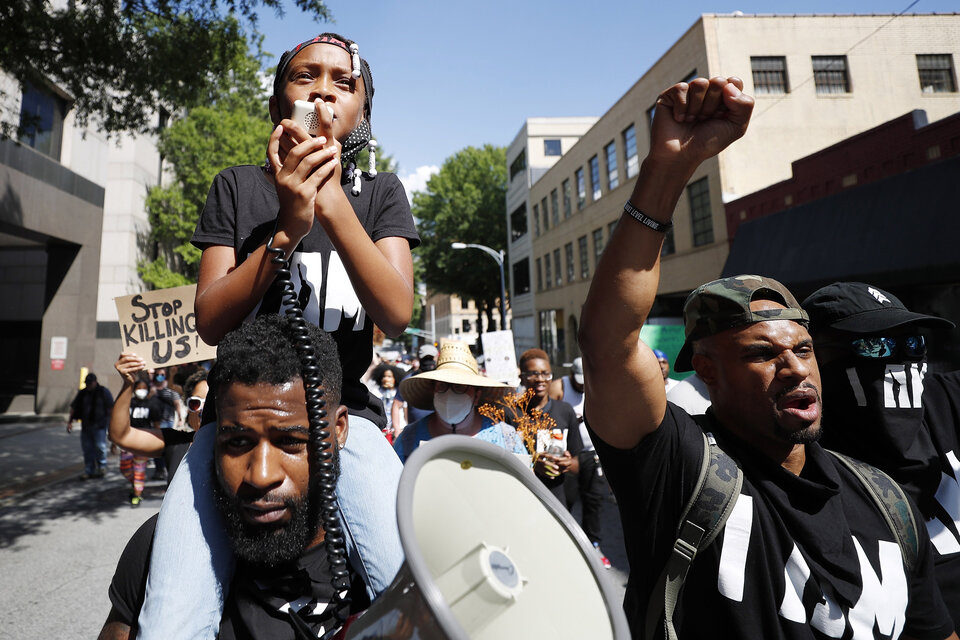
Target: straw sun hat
455,365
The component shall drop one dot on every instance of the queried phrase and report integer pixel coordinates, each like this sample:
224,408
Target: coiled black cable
320,440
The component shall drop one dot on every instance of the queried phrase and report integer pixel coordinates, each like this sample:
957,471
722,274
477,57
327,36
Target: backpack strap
892,504
704,515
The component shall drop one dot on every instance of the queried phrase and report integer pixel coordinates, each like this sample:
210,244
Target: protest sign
499,355
161,327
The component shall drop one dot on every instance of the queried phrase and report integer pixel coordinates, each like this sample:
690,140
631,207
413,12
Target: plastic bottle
555,446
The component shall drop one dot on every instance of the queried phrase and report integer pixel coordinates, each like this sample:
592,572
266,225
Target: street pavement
60,537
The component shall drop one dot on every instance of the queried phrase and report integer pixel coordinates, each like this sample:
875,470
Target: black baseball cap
856,307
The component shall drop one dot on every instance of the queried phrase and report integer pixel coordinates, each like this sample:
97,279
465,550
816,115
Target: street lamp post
498,256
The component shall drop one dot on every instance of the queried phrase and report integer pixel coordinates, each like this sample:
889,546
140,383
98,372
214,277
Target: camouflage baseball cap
724,304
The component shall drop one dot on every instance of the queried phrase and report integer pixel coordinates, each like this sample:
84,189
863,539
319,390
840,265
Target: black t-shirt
806,556
166,399
176,443
941,417
144,414
241,211
258,600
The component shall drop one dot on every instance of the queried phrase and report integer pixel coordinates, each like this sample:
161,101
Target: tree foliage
464,202
120,62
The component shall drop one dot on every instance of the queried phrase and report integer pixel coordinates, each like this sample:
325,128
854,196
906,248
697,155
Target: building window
539,276
558,277
584,257
519,164
581,189
936,73
518,222
595,177
568,254
830,74
552,148
567,205
667,247
613,178
698,194
610,229
551,334
41,120
521,277
546,264
597,244
555,207
652,111
536,220
631,159
769,75
546,214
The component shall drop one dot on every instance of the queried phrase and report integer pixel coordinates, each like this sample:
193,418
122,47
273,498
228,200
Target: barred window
567,205
595,177
769,75
698,194
613,178
830,74
584,257
581,189
936,73
632,160
568,254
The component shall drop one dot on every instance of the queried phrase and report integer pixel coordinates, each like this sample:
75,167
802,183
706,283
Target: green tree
120,62
464,202
232,129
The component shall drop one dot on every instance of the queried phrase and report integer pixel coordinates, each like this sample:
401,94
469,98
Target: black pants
588,485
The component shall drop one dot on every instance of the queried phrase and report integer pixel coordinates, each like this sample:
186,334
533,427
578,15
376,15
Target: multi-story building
73,223
447,317
816,80
537,147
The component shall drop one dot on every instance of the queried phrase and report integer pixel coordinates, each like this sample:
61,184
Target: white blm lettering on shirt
883,600
140,412
341,301
948,495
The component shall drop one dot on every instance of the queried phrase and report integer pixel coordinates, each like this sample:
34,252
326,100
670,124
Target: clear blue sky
449,73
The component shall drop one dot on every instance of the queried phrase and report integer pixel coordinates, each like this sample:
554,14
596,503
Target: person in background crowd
383,384
664,363
453,392
149,439
805,545
170,403
143,414
590,484
887,410
691,395
401,410
91,406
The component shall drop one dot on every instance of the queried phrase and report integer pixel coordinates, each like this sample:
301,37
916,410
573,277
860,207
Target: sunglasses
880,347
195,404
441,387
543,375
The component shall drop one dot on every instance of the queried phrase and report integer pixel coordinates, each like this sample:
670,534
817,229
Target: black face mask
873,412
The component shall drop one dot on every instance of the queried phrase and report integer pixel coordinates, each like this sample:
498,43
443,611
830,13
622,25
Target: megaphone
490,555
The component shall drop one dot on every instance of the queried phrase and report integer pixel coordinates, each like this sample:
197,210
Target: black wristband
646,220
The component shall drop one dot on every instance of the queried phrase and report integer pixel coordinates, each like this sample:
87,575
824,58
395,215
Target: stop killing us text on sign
160,326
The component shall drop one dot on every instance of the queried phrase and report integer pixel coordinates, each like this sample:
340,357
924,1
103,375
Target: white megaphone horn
490,555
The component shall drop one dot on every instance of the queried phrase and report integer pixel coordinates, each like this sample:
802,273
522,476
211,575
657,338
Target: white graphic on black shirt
340,300
140,413
943,536
902,385
883,600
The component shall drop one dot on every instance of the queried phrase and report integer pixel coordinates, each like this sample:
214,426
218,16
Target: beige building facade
816,80
536,147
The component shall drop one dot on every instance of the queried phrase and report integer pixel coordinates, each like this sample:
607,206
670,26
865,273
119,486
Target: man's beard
274,543
808,435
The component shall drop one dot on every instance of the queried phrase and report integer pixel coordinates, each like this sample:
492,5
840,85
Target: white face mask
452,408
140,393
